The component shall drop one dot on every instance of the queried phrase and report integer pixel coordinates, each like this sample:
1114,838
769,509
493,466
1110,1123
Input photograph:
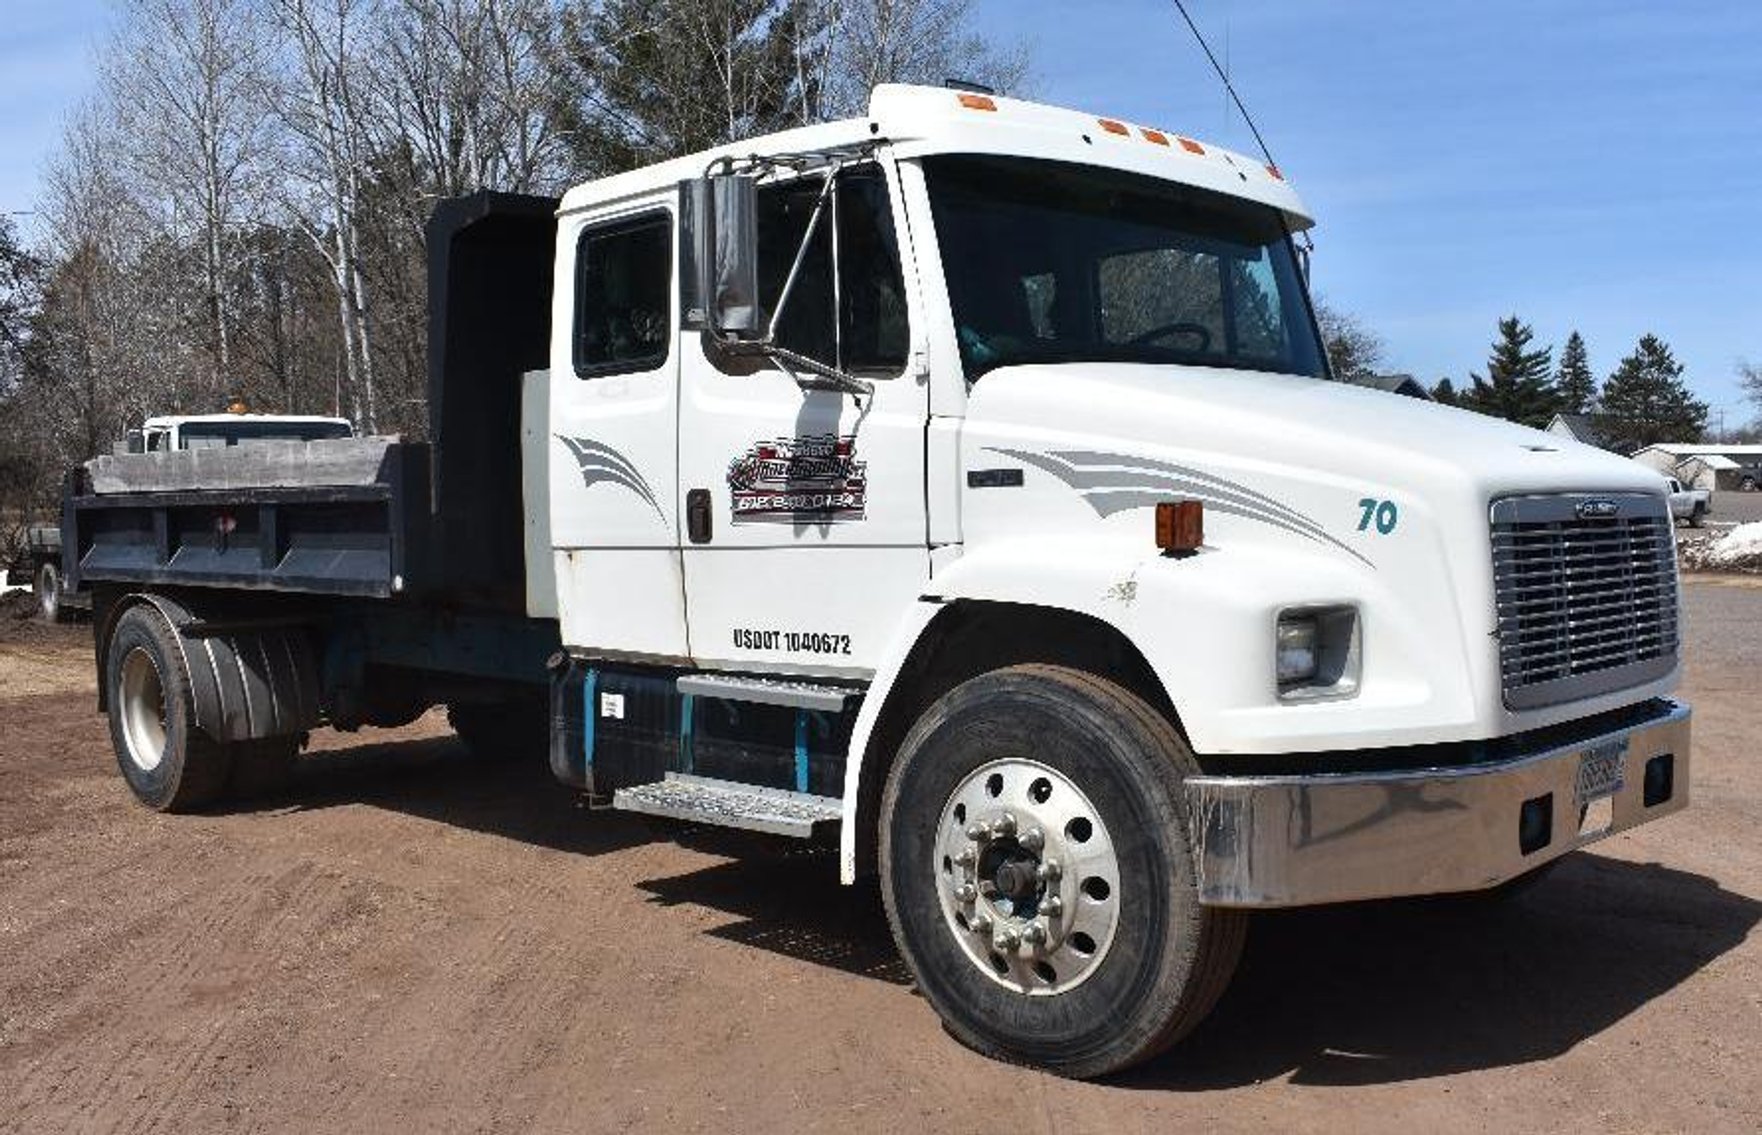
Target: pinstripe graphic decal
1113,482
601,464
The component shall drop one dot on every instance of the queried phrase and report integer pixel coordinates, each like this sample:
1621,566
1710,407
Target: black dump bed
377,517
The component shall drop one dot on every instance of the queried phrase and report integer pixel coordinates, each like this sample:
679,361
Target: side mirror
719,262
1303,264
137,442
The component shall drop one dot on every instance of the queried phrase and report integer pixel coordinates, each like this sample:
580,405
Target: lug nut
1051,906
966,892
1033,840
967,857
1006,939
980,924
1049,871
1005,825
1034,935
978,833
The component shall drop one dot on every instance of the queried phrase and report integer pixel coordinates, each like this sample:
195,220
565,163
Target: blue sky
1589,164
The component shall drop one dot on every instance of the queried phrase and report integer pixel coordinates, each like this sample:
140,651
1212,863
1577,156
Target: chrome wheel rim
1027,877
143,710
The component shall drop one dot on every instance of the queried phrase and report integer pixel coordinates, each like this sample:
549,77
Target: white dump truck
962,485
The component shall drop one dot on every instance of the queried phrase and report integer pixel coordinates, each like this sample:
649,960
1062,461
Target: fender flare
246,682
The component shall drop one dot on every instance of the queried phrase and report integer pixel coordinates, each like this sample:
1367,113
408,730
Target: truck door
613,447
806,533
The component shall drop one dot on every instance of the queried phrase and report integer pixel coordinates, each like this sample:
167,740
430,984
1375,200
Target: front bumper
1271,841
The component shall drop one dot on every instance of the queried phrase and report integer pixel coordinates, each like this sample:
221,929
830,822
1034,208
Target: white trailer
963,484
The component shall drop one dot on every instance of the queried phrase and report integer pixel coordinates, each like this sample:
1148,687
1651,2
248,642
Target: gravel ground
408,940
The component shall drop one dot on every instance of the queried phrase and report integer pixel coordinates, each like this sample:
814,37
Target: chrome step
767,691
728,804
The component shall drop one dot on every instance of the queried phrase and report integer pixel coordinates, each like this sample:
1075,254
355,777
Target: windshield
216,435
1051,262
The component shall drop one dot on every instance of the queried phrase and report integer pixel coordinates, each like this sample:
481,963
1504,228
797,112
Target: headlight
1317,653
1296,649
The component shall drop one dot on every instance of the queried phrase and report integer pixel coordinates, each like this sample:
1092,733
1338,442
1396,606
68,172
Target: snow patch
1739,549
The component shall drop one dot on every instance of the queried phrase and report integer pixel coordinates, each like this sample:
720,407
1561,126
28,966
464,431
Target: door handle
697,516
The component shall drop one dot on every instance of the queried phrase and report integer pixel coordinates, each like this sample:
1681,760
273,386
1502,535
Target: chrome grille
1586,592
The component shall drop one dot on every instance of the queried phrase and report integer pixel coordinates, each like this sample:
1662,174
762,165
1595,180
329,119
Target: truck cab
963,486
168,432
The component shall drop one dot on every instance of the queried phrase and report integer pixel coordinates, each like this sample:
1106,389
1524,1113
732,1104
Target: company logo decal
1114,482
1596,509
603,465
816,478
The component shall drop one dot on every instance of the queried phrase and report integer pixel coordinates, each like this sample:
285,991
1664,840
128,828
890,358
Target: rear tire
1155,963
517,729
169,763
49,593
1697,516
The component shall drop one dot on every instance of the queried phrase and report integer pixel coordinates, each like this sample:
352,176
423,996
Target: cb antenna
1228,86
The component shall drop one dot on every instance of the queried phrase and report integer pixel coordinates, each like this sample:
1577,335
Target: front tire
49,593
169,763
1038,871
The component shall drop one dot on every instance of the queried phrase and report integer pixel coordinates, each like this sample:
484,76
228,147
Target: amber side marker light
1180,526
976,102
1112,126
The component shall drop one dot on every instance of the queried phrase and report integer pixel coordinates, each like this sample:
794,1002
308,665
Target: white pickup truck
962,484
1691,505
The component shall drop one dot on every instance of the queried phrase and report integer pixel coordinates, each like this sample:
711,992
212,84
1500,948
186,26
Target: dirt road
408,940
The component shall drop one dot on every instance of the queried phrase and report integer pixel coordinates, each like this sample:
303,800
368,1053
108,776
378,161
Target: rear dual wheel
170,764
1039,873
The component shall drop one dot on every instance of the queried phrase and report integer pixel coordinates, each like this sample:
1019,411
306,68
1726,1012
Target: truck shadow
1364,994
1383,992
435,778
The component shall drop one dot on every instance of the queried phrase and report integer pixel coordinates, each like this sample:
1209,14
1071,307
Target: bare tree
320,102
468,92
181,77
909,41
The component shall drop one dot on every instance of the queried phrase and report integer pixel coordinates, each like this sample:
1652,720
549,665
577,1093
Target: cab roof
919,121
166,421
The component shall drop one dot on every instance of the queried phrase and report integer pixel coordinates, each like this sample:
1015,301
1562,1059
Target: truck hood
1306,424
1315,493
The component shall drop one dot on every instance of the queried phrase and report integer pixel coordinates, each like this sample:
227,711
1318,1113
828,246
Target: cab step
728,804
768,691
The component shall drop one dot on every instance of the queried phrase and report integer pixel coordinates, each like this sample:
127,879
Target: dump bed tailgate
345,517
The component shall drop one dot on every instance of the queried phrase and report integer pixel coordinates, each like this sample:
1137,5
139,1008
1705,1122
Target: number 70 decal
1381,513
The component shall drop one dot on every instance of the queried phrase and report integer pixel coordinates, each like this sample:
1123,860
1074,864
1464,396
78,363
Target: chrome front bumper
1270,841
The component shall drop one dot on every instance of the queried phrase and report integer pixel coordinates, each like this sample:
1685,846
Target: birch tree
320,102
182,79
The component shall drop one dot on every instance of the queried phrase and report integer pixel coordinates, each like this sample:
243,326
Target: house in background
1592,429
1708,466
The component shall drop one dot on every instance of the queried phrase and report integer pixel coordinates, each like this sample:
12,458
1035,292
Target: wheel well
968,638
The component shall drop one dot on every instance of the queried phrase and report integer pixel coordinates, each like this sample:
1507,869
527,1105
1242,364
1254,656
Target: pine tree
1517,387
1646,401
1445,393
1574,383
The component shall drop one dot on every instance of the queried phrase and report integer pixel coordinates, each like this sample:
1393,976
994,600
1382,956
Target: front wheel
49,593
1038,870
